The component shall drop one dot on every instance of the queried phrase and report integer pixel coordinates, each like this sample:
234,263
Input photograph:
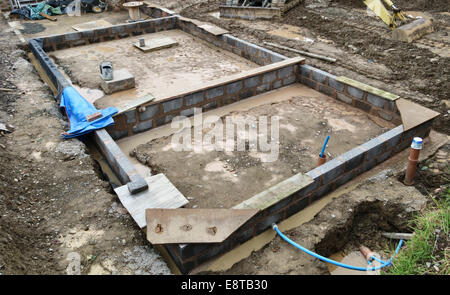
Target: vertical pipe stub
416,146
321,160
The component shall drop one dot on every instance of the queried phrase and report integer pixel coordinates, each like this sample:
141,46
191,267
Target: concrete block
214,92
320,76
335,84
143,126
242,235
367,165
384,157
251,82
362,106
122,80
355,92
269,77
150,112
234,87
322,191
344,98
246,94
75,36
346,178
376,100
277,84
131,116
289,80
137,184
393,137
194,98
306,70
327,90
331,170
352,158
373,147
308,82
187,251
385,116
117,134
262,88
285,72
187,113
267,221
275,57
172,105
295,207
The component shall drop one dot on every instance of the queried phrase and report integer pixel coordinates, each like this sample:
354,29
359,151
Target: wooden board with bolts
167,226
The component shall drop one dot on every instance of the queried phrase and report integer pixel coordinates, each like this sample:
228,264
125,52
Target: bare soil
52,200
214,179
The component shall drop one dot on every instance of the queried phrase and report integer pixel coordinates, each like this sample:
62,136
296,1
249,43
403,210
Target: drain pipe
369,261
322,157
416,146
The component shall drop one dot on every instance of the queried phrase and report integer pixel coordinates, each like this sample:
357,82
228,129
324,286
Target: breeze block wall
367,98
67,40
213,95
255,53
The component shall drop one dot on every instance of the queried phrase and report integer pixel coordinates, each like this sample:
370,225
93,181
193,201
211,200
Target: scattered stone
71,149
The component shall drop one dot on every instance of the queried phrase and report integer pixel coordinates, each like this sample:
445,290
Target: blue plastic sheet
78,108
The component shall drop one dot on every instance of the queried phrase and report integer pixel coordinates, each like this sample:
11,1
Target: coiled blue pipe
384,264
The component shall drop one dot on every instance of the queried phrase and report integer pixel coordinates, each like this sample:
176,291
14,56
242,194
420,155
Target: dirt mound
426,5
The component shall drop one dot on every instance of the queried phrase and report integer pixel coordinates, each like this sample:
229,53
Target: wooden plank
156,44
53,19
161,193
326,58
167,226
413,114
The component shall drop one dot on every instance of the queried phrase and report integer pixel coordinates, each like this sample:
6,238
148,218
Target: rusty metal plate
413,114
180,226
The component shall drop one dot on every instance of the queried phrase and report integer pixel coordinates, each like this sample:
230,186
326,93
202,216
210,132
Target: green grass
420,249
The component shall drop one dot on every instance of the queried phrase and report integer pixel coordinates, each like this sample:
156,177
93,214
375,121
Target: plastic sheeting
78,108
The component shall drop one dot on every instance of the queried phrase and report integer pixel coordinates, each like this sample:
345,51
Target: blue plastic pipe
275,227
324,146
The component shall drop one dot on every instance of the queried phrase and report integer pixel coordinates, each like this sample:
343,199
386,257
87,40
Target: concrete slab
156,44
161,193
122,80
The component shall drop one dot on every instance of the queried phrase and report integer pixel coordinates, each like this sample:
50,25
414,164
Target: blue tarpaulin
78,108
